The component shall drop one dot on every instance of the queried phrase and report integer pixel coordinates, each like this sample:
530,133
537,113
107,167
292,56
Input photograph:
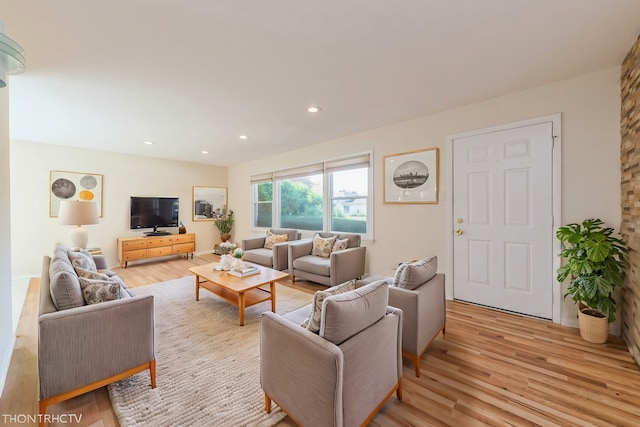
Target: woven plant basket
592,329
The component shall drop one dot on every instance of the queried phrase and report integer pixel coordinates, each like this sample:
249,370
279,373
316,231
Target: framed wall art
411,177
209,203
65,185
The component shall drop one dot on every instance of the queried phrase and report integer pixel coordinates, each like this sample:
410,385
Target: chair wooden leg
443,330
152,372
267,403
399,390
416,364
43,410
293,279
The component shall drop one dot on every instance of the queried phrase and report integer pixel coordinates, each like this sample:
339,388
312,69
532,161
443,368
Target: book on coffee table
245,271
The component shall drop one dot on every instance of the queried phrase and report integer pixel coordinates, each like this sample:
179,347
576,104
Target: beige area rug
208,367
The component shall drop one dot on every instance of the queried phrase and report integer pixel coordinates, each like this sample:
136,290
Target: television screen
154,212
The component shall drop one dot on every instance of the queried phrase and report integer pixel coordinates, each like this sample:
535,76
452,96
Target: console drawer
161,251
129,245
135,254
183,248
159,241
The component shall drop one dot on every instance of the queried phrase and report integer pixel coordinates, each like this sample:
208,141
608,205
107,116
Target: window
330,196
349,191
263,204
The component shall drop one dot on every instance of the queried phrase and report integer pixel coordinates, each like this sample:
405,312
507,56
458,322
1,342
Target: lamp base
78,237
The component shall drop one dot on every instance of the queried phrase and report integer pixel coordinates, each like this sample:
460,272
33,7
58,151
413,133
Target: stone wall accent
630,188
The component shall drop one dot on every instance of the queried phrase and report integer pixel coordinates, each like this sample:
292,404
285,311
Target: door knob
459,232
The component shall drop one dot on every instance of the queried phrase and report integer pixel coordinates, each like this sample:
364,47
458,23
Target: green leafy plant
595,262
225,224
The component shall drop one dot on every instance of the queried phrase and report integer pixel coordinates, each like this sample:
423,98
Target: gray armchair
340,266
341,376
424,314
276,257
86,347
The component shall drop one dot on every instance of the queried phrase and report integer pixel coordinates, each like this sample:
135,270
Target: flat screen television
154,212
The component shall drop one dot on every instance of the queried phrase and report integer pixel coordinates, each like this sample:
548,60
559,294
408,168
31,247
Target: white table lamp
76,212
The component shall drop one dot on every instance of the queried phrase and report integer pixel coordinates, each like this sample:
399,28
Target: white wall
34,233
590,107
7,337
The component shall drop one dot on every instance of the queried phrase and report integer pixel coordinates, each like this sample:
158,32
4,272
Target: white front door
503,219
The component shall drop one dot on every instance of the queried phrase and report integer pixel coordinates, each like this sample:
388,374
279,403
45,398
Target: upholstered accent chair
424,313
337,266
85,347
342,375
269,250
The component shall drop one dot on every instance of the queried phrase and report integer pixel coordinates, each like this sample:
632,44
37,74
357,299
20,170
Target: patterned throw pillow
340,244
274,238
82,259
322,246
95,291
88,274
313,321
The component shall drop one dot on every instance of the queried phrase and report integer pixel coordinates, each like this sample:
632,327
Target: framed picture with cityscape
411,177
209,203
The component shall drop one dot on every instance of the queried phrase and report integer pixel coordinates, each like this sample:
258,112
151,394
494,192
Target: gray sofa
276,257
342,375
424,314
339,267
84,347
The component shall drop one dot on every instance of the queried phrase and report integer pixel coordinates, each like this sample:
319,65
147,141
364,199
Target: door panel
502,207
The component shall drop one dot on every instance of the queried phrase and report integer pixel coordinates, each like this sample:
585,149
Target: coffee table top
234,283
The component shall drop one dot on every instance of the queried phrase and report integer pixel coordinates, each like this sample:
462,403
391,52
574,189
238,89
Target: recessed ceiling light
243,137
313,109
204,152
148,143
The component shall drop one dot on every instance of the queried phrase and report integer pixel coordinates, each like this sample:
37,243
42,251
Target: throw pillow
322,245
313,321
398,275
95,291
88,274
82,259
274,238
340,244
414,274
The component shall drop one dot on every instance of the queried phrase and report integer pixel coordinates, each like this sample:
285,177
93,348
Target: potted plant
595,261
224,225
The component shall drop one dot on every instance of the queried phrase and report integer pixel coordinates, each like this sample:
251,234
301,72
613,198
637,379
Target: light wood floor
492,368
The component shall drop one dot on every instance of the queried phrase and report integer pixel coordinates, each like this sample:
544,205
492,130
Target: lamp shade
76,212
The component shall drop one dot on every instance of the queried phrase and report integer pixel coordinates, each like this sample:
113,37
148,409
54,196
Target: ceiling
194,75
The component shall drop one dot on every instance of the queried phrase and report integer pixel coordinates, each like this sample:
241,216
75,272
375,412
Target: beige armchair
276,257
341,376
338,267
424,314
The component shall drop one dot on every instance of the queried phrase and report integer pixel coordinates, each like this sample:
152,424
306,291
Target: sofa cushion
65,288
348,313
313,322
413,275
274,238
313,264
82,259
322,245
260,256
340,244
97,290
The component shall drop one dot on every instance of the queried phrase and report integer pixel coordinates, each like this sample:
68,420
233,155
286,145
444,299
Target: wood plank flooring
492,368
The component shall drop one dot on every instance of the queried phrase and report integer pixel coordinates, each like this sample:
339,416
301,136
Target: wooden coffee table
240,291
